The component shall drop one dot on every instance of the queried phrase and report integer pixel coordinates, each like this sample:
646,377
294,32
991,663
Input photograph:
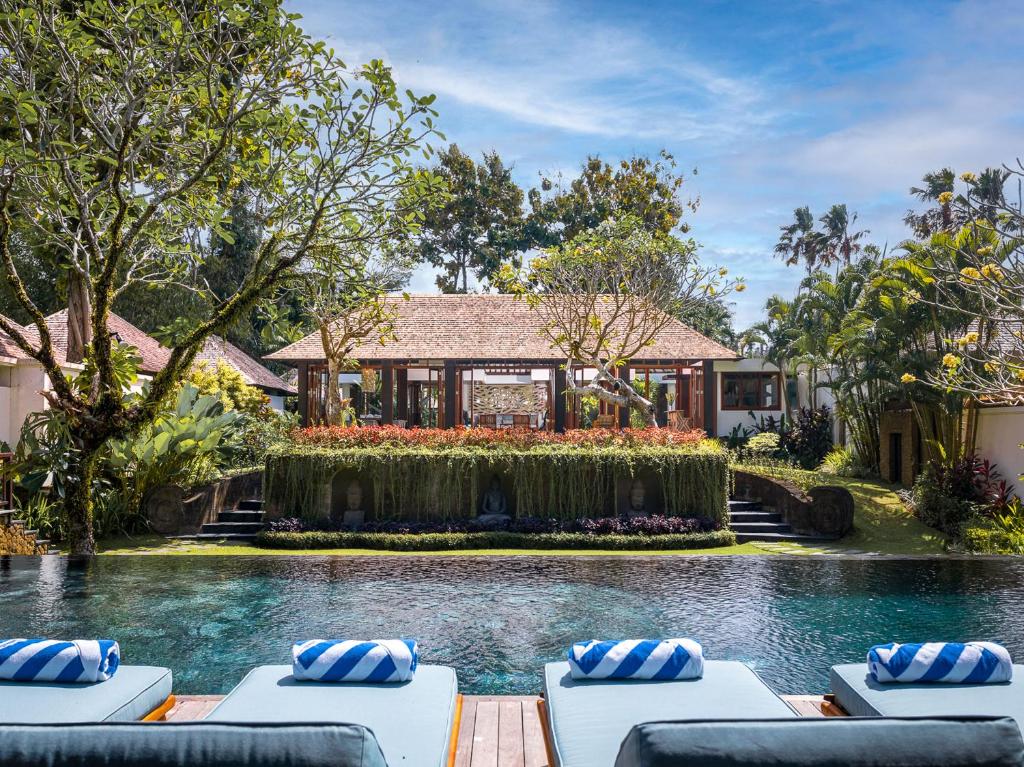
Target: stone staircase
751,522
241,524
29,536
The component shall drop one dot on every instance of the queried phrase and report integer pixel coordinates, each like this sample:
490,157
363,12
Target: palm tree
838,242
798,241
940,219
775,339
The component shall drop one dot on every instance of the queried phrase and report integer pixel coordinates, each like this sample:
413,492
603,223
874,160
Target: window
750,391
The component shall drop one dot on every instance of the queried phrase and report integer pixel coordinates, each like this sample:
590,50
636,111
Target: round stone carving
165,510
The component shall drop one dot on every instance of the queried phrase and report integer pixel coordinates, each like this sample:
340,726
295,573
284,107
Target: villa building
23,380
483,360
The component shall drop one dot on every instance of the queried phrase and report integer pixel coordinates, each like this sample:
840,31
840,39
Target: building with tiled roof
485,360
216,349
154,355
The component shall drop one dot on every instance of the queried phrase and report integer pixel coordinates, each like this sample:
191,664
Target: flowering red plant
374,436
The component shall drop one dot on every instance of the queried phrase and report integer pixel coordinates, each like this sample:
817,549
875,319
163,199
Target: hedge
559,481
495,540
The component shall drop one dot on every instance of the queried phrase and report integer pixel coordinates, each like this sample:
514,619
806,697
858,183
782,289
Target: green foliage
557,481
479,224
809,437
1002,533
841,462
495,540
227,383
938,501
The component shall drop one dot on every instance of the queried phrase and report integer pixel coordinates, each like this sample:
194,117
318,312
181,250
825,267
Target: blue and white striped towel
352,660
637,659
52,660
966,663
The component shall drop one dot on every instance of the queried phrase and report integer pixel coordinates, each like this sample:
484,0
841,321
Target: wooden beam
710,398
304,393
559,399
387,393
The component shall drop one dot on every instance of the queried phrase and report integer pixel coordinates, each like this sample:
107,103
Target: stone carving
354,515
637,498
509,398
494,507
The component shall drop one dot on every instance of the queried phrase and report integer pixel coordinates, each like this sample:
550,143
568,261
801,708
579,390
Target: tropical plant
128,128
227,383
808,440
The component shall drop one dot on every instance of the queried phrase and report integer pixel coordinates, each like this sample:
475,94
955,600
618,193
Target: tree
478,226
345,293
134,123
837,243
606,294
936,189
775,338
799,241
712,317
640,188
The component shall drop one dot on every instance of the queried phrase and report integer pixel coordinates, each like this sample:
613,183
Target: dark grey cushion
852,742
188,745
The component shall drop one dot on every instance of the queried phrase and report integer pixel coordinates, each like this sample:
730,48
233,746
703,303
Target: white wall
1000,433
727,420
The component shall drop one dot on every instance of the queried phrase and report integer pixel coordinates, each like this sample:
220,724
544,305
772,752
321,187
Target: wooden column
710,397
387,393
450,398
402,383
559,399
626,375
304,393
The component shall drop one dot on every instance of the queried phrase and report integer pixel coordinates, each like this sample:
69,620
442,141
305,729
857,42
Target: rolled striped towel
961,662
637,659
352,660
53,660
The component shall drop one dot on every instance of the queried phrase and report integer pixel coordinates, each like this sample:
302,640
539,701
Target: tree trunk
621,394
79,317
78,503
334,408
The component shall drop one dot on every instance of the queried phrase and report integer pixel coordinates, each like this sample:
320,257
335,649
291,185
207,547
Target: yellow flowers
970,338
740,287
992,367
968,177
970,273
951,361
985,250
992,272
908,378
945,198
722,272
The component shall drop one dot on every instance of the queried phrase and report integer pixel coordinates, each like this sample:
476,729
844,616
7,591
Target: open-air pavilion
482,360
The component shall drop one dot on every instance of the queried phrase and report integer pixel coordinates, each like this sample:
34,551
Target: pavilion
482,360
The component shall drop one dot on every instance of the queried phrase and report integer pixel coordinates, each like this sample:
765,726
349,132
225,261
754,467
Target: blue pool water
497,620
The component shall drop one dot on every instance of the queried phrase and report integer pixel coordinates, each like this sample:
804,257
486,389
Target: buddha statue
355,515
494,503
637,498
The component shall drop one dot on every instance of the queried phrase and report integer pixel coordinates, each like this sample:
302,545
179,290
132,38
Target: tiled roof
10,349
488,327
154,356
254,374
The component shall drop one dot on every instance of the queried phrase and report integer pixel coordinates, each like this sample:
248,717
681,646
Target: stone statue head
354,496
637,495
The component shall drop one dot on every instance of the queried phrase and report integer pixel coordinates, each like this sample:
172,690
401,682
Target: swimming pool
498,619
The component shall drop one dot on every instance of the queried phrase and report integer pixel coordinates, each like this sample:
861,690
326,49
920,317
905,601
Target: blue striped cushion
352,660
948,662
53,660
637,659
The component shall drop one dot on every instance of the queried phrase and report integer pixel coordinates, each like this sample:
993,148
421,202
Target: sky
775,104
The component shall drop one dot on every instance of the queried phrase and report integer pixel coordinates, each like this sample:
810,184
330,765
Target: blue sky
776,104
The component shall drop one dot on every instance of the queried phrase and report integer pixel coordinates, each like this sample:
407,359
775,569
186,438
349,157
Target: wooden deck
497,730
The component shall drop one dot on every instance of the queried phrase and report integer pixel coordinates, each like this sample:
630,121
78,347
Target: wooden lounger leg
158,713
545,726
456,725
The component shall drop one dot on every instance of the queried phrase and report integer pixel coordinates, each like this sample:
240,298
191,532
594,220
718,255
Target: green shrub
494,540
935,502
562,481
809,438
764,444
841,462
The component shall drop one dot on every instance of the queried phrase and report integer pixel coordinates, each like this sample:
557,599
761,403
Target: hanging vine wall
549,481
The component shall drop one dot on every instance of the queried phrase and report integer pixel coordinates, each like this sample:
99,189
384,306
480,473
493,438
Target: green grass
158,545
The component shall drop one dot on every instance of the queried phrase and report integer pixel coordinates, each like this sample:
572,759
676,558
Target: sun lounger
133,693
195,744
413,721
861,695
588,719
844,741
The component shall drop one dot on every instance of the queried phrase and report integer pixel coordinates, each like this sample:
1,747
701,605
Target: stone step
216,537
754,516
780,538
744,505
231,528
251,504
760,527
232,515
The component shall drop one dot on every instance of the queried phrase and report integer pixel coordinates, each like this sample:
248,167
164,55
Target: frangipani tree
606,294
128,125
